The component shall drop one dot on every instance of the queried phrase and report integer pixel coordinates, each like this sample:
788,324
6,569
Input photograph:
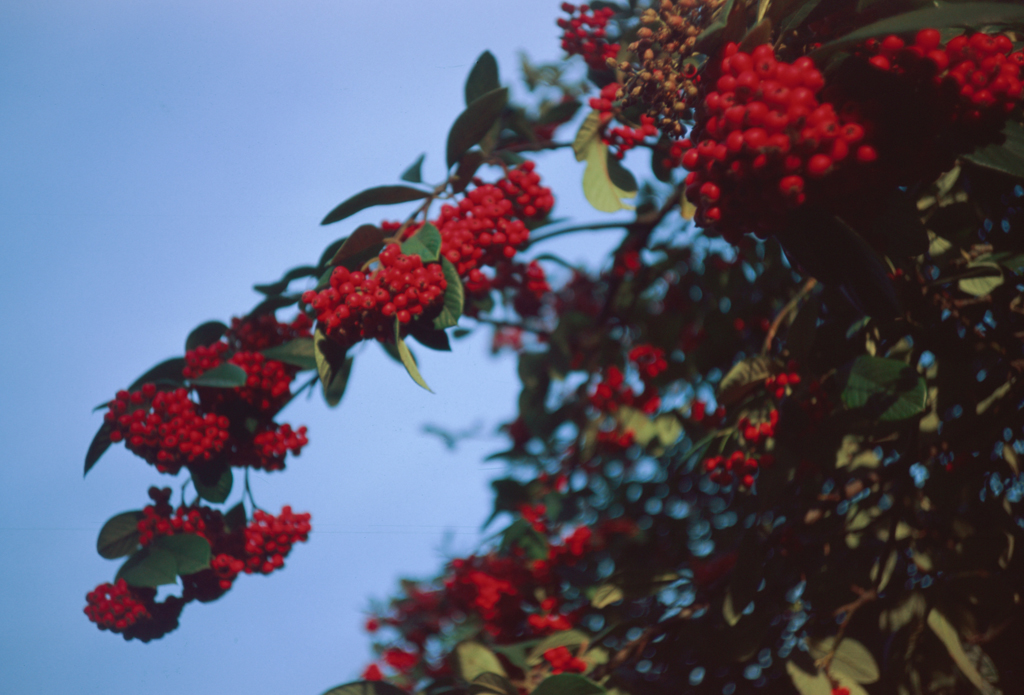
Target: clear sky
157,159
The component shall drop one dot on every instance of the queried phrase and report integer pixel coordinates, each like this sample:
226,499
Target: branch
786,310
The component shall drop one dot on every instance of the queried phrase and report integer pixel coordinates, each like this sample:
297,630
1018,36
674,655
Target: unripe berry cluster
764,134
585,34
359,306
164,428
114,607
563,661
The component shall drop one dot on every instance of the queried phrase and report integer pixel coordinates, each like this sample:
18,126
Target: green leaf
606,595
100,443
205,334
235,518
119,536
745,377
475,659
360,246
150,567
414,174
430,337
276,288
516,652
1006,157
966,15
851,658
729,25
299,352
621,177
492,683
520,533
806,683
951,638
380,195
982,285
454,297
425,243
332,366
568,684
586,134
167,371
191,553
407,360
746,575
887,385
483,78
598,187
473,123
366,688
212,486
468,165
560,112
223,376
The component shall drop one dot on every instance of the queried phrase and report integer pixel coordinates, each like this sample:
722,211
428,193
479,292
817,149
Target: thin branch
578,228
786,310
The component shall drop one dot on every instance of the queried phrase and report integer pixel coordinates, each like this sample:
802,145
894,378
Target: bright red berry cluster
612,392
268,382
564,661
622,138
359,306
157,519
261,332
585,34
530,200
114,607
724,468
481,230
269,539
164,427
763,135
273,444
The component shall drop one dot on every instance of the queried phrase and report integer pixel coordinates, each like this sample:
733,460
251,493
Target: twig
781,316
635,648
577,228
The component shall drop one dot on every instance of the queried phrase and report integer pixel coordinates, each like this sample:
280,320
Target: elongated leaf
967,14
492,683
100,444
332,366
565,638
475,659
982,285
1007,157
366,688
213,486
586,134
473,123
807,683
414,173
380,195
151,567
276,288
483,78
360,246
191,553
886,384
468,165
568,684
166,371
454,297
119,536
729,25
598,187
425,243
951,638
560,112
205,334
621,177
851,658
745,377
298,352
606,595
235,518
223,376
406,358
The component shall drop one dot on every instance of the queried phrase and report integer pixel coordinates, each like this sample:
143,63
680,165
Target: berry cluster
563,661
273,444
489,587
612,391
157,520
622,138
358,306
778,384
764,135
264,331
164,427
724,468
268,382
269,539
755,432
481,230
114,607
585,34
530,200
985,70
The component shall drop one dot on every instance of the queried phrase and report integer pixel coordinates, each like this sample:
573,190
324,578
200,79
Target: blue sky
157,159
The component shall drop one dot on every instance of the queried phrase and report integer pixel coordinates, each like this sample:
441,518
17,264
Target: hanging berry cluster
260,546
585,34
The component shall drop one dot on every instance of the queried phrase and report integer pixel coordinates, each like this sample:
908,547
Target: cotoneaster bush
771,444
